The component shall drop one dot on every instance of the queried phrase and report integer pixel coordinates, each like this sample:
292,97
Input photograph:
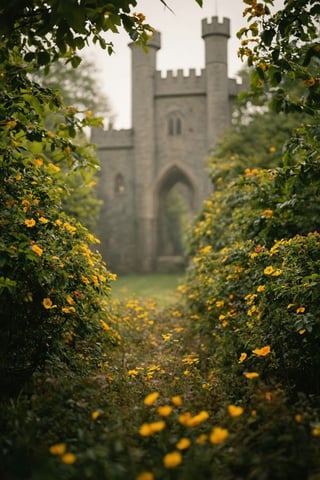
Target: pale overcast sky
181,46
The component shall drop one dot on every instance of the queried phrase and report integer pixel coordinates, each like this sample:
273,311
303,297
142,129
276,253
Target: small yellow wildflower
201,439
261,288
302,331
30,222
300,310
298,418
164,410
176,400
172,459
268,270
145,476
68,458
251,375
151,398
95,414
235,411
219,303
242,357
262,352
43,220
54,168
47,303
57,449
183,444
38,162
218,435
37,250
268,213
68,309
316,432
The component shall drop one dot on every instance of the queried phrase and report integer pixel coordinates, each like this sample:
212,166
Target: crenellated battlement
112,139
178,82
213,26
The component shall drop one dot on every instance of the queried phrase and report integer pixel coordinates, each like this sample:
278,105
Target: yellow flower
242,357
43,220
68,309
70,300
164,410
268,270
38,162
148,429
176,400
262,352
57,449
54,168
30,222
316,432
37,250
251,375
95,414
172,459
201,439
47,303
268,213
183,444
235,411
261,288
151,398
219,303
218,435
298,418
68,458
300,310
302,331
145,476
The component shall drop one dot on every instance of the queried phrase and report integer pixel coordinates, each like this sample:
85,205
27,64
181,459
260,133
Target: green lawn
160,287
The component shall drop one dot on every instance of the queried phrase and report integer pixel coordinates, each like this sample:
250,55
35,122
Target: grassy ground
160,287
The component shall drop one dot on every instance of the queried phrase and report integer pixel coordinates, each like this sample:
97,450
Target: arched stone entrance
175,205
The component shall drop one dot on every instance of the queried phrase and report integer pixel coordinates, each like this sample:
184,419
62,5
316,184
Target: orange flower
151,398
235,411
262,352
30,222
251,375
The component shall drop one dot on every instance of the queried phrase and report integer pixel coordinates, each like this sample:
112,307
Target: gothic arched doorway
175,210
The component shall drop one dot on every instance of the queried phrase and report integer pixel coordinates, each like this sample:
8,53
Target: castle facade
176,121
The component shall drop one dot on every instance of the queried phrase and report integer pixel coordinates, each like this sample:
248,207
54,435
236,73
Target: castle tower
143,122
215,36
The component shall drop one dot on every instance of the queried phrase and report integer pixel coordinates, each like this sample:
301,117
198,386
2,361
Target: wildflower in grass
235,411
68,309
172,459
183,443
298,418
38,162
176,400
148,429
164,410
68,458
201,439
53,168
30,222
260,288
47,303
95,414
151,398
219,303
251,375
262,352
242,357
302,331
300,310
37,250
43,220
316,431
145,476
268,213
57,449
268,270
105,326
218,435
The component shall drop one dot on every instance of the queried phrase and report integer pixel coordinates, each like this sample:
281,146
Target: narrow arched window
178,126
119,183
174,124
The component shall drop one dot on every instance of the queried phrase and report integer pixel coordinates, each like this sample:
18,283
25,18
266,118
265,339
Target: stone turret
143,122
215,36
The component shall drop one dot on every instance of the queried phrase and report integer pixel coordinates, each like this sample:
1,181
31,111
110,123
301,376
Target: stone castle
176,121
